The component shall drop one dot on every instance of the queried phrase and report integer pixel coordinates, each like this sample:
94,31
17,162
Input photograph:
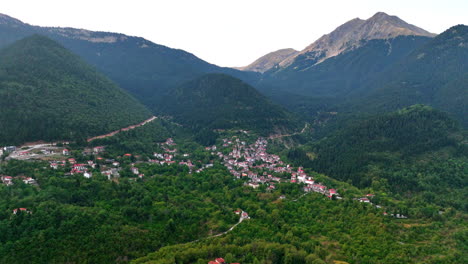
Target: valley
116,149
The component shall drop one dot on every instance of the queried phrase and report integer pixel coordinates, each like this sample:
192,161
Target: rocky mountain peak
353,33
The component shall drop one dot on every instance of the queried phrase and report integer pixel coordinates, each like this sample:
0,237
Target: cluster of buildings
8,180
169,152
254,162
241,159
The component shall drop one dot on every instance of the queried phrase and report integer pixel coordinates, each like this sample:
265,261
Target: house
71,160
7,180
254,185
99,149
87,174
135,170
9,149
24,210
364,200
29,180
91,164
65,152
78,168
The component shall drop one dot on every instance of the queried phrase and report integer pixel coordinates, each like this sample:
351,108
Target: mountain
269,60
351,35
48,93
435,74
141,67
218,101
338,66
342,74
407,152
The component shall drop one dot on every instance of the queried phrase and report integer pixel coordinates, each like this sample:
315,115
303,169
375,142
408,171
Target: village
248,162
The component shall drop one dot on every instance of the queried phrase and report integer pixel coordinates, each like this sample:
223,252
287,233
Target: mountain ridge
348,36
140,66
269,60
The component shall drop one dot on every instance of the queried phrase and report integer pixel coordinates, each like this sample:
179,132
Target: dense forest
218,101
417,152
74,219
47,93
433,74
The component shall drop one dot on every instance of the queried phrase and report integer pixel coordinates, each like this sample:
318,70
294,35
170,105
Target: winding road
243,216
290,135
123,129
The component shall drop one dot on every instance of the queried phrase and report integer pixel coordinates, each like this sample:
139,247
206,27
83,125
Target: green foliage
47,93
417,152
434,74
319,230
217,101
80,220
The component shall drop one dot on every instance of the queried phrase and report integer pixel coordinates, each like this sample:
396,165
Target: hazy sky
230,32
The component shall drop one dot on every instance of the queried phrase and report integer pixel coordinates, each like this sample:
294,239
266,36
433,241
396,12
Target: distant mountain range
48,93
378,64
143,68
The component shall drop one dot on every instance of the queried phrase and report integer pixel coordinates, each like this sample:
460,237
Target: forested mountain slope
143,68
48,93
218,101
417,152
434,74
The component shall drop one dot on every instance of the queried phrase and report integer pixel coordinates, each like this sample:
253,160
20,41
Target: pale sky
230,32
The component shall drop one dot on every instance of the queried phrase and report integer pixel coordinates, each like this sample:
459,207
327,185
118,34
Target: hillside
340,75
143,68
415,152
434,74
219,101
48,93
